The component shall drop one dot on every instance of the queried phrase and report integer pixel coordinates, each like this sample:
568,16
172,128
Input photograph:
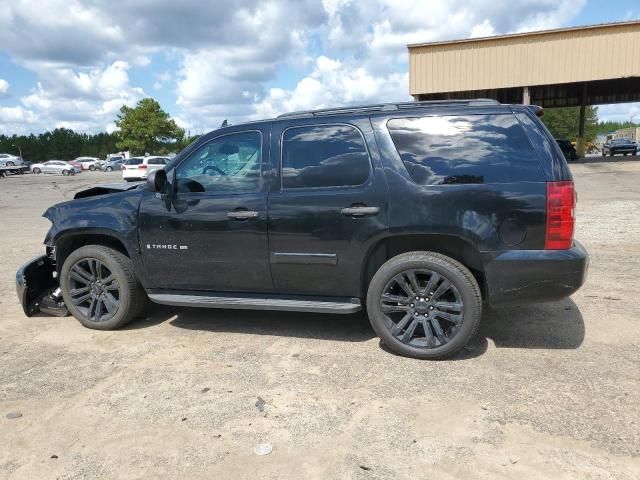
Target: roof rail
384,107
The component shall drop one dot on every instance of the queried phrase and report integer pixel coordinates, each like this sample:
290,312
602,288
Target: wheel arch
68,243
452,246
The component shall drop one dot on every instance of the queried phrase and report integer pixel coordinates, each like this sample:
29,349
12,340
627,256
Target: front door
210,232
325,209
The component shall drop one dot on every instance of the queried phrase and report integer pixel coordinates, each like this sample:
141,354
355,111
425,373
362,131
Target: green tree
563,122
146,128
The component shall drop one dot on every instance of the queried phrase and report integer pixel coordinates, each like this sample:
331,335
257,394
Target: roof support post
526,96
580,141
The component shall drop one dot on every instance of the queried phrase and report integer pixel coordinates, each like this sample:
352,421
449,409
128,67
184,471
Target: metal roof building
558,67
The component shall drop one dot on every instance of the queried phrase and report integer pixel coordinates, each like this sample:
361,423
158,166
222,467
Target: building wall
553,57
632,134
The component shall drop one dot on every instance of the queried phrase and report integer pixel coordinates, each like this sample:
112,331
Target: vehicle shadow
343,328
557,325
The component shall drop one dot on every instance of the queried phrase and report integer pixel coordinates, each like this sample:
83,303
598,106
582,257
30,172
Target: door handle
360,211
242,214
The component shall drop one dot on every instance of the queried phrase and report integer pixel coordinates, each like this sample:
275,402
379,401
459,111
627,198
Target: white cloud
332,83
4,87
620,112
86,101
229,54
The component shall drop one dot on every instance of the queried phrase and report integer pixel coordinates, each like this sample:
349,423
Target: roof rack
384,107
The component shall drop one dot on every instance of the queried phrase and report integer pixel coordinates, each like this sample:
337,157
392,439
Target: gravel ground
545,391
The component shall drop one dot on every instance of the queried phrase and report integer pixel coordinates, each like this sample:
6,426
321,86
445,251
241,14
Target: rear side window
465,149
324,156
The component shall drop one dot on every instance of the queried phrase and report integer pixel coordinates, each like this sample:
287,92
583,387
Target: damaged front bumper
38,288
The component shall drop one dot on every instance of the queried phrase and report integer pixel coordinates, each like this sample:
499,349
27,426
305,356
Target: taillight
561,203
142,167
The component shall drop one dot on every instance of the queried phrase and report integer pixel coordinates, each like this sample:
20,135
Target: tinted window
134,161
228,164
464,149
156,161
323,156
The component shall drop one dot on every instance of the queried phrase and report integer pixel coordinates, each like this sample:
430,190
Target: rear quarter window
465,149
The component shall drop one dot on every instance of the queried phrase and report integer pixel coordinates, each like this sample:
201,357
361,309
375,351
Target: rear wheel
424,305
100,288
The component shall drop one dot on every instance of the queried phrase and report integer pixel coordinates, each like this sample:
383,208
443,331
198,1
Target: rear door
327,203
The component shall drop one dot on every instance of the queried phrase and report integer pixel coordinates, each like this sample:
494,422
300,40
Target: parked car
619,146
138,168
567,148
114,163
8,160
420,211
55,166
76,164
87,163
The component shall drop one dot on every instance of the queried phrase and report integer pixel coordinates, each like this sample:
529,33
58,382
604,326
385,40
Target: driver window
228,164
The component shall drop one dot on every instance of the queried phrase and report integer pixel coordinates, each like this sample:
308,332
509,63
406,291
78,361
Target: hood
106,188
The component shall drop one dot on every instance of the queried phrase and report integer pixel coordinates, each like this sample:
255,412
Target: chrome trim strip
257,303
305,258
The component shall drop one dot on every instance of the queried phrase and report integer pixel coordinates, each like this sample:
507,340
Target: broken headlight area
38,288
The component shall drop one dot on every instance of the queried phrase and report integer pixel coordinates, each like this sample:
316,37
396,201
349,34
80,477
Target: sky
72,63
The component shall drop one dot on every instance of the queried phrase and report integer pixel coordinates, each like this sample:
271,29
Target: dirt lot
547,391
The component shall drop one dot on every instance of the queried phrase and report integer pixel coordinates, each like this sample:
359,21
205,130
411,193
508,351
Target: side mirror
156,181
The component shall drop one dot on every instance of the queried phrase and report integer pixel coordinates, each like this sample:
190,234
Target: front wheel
109,169
424,305
10,164
100,288
36,170
92,168
65,172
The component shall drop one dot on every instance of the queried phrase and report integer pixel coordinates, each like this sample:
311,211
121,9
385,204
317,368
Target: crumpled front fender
38,288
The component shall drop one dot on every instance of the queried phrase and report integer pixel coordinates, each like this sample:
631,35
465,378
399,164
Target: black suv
417,212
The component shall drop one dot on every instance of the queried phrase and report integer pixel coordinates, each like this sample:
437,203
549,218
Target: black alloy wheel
422,308
100,288
94,290
424,305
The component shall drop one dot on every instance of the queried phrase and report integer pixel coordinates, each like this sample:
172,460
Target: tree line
563,123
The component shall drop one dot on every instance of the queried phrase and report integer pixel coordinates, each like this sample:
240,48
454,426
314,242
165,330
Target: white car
55,166
137,168
8,160
87,163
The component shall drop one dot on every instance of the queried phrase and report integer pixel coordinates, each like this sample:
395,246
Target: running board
351,305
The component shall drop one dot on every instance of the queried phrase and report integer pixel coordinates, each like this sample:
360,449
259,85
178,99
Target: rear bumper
529,276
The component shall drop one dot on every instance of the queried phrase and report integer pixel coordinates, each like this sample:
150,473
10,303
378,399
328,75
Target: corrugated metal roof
581,54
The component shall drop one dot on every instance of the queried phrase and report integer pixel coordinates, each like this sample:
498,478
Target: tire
65,172
92,168
453,334
611,154
37,170
108,169
125,289
10,164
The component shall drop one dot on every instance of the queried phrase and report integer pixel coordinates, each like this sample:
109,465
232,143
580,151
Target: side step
348,305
